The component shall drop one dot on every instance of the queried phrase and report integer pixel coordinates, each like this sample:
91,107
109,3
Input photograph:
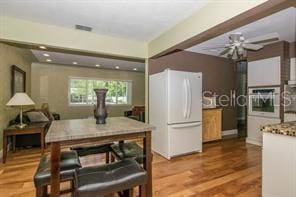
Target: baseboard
229,132
254,142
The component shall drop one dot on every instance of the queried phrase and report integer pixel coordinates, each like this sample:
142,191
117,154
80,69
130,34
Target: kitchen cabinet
278,165
291,116
265,72
254,125
212,124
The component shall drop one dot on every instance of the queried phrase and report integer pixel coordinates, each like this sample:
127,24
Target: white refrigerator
175,108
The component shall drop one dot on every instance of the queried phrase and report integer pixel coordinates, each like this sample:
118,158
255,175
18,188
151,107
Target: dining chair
126,150
94,149
108,179
69,161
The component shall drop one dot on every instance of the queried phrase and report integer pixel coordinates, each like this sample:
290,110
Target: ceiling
140,20
283,23
88,61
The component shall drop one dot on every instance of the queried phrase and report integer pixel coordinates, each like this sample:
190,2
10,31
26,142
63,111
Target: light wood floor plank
225,168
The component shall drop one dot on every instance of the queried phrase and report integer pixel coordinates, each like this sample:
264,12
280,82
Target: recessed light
117,67
75,63
42,47
48,60
98,65
46,55
135,69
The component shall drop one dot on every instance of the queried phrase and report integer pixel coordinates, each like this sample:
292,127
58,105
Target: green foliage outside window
82,91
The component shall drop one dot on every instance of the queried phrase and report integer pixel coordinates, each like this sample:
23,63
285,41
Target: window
81,91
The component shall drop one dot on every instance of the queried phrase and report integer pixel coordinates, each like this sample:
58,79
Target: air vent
83,28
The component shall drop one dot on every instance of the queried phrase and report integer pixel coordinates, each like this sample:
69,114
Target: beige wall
11,56
50,84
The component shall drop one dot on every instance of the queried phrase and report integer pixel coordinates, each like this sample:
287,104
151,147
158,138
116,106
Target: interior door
184,97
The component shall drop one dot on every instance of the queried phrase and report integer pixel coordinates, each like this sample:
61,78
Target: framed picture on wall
18,80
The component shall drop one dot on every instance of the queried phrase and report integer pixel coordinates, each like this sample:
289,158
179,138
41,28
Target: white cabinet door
289,117
278,166
254,124
265,72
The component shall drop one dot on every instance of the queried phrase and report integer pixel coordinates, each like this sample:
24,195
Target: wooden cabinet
212,124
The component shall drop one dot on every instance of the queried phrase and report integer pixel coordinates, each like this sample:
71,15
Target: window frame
129,92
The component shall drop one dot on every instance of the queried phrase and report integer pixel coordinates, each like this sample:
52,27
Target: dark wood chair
136,113
105,180
94,149
128,150
69,161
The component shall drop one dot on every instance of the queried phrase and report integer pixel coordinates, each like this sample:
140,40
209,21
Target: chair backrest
136,111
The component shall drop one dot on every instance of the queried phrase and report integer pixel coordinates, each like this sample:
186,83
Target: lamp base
21,126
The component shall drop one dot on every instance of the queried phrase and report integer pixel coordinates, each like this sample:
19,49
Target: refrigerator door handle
186,99
178,126
189,98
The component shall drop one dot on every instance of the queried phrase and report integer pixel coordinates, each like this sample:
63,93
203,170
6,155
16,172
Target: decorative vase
100,111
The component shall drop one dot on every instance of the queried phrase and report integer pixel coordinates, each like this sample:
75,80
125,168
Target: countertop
286,128
215,108
64,130
290,112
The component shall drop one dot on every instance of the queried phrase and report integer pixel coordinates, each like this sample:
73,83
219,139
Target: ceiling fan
238,46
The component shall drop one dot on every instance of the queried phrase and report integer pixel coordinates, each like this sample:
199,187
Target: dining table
65,133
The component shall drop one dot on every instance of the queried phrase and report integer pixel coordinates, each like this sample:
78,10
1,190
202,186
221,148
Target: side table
29,129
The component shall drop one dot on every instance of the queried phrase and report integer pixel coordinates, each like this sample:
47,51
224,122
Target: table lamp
20,99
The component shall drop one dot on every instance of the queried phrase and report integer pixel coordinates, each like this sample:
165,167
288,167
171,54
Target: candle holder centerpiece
100,111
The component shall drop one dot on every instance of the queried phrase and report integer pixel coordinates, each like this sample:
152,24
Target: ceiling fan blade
230,53
253,47
225,51
265,38
215,47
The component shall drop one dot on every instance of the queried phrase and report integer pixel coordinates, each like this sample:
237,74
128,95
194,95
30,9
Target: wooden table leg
4,148
42,141
13,143
55,169
148,162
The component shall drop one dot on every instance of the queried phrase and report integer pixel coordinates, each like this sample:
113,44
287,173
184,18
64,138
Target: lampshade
20,99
